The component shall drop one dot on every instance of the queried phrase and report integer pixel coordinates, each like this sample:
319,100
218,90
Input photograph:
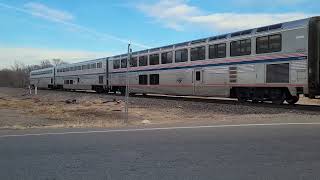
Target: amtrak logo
179,80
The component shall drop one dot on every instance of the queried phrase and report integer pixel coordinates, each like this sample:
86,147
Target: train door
197,80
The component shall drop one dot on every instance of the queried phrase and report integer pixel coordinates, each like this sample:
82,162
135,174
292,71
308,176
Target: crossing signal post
127,85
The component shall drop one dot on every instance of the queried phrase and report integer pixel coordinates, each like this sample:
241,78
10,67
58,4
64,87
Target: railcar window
275,43
84,67
143,79
154,79
166,57
134,62
240,48
268,44
79,68
278,73
262,45
123,63
218,51
143,61
198,53
198,76
154,59
100,79
99,65
41,73
88,66
181,55
116,64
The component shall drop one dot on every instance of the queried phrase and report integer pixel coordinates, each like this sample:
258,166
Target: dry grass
94,113
49,110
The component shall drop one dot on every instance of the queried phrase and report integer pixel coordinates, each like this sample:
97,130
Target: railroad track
304,107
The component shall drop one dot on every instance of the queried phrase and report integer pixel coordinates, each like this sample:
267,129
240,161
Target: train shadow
303,107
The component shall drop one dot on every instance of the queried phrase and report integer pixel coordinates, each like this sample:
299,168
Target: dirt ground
61,109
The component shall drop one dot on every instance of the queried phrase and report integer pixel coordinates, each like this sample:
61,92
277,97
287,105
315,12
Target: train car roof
81,63
44,69
283,26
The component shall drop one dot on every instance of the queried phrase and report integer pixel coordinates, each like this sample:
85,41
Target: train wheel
242,96
293,100
277,96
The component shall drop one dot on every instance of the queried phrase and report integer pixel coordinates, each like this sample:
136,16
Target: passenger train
272,63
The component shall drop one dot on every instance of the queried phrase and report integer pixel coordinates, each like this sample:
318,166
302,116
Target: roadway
220,152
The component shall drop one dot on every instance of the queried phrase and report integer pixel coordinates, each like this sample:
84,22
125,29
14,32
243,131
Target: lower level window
100,79
278,73
154,79
143,79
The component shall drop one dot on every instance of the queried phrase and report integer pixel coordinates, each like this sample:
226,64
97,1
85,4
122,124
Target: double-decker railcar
277,62
43,78
88,75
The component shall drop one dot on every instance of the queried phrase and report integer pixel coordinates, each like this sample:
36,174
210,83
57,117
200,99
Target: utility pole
127,85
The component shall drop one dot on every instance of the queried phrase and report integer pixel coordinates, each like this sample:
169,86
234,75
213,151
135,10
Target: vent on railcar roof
182,44
154,50
199,41
241,33
218,37
276,26
213,38
222,36
269,28
235,34
144,51
167,47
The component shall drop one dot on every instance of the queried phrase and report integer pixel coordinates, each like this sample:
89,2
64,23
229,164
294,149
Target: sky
31,31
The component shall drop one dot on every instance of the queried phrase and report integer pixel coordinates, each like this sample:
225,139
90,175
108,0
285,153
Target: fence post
30,90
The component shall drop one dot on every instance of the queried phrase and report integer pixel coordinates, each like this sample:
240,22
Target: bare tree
45,64
57,62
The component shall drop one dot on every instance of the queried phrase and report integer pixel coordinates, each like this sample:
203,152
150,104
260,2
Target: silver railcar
277,62
43,78
88,75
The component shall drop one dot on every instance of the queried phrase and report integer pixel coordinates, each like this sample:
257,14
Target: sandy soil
49,109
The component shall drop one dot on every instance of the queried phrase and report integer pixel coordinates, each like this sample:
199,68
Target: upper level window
143,61
217,51
240,48
154,59
123,63
268,44
116,64
99,65
134,62
198,53
93,66
181,55
166,57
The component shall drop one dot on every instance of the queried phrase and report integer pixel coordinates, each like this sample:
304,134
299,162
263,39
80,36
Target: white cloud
64,18
233,21
44,11
172,13
179,15
29,56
